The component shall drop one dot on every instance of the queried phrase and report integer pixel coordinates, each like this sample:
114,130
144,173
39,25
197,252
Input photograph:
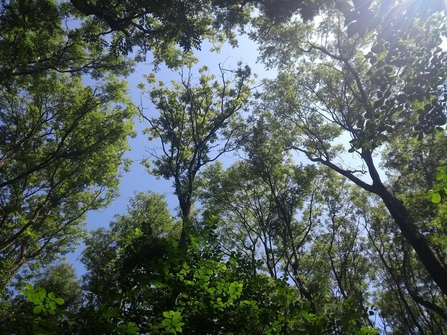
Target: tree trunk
418,241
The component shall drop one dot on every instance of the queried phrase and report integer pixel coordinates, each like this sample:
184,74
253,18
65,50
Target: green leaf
37,309
41,292
59,301
441,173
436,198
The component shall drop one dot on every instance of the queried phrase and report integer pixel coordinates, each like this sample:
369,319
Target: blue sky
138,179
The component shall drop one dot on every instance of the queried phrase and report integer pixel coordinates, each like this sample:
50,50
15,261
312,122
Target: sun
400,15
415,8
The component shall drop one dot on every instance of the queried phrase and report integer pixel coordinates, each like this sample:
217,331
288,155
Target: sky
138,179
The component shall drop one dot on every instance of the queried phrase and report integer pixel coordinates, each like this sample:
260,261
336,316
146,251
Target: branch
345,173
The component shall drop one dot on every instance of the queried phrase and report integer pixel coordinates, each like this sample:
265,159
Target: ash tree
61,155
378,87
298,223
197,123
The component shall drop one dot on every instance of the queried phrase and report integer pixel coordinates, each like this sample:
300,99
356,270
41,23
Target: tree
196,125
299,227
377,96
148,215
40,43
61,154
411,165
35,39
38,36
161,288
257,200
157,26
59,280
406,299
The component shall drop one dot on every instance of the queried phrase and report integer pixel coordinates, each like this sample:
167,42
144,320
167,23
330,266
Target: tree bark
418,241
400,214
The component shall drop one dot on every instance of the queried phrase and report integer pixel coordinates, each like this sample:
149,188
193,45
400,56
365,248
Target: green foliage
44,303
61,279
194,290
172,322
441,186
197,123
48,304
147,217
380,84
282,248
62,146
36,310
160,27
262,215
39,35
412,167
35,39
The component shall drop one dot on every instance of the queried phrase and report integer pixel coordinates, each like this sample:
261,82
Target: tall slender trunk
428,258
185,207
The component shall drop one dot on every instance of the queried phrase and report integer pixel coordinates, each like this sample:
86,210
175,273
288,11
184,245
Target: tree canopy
328,217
